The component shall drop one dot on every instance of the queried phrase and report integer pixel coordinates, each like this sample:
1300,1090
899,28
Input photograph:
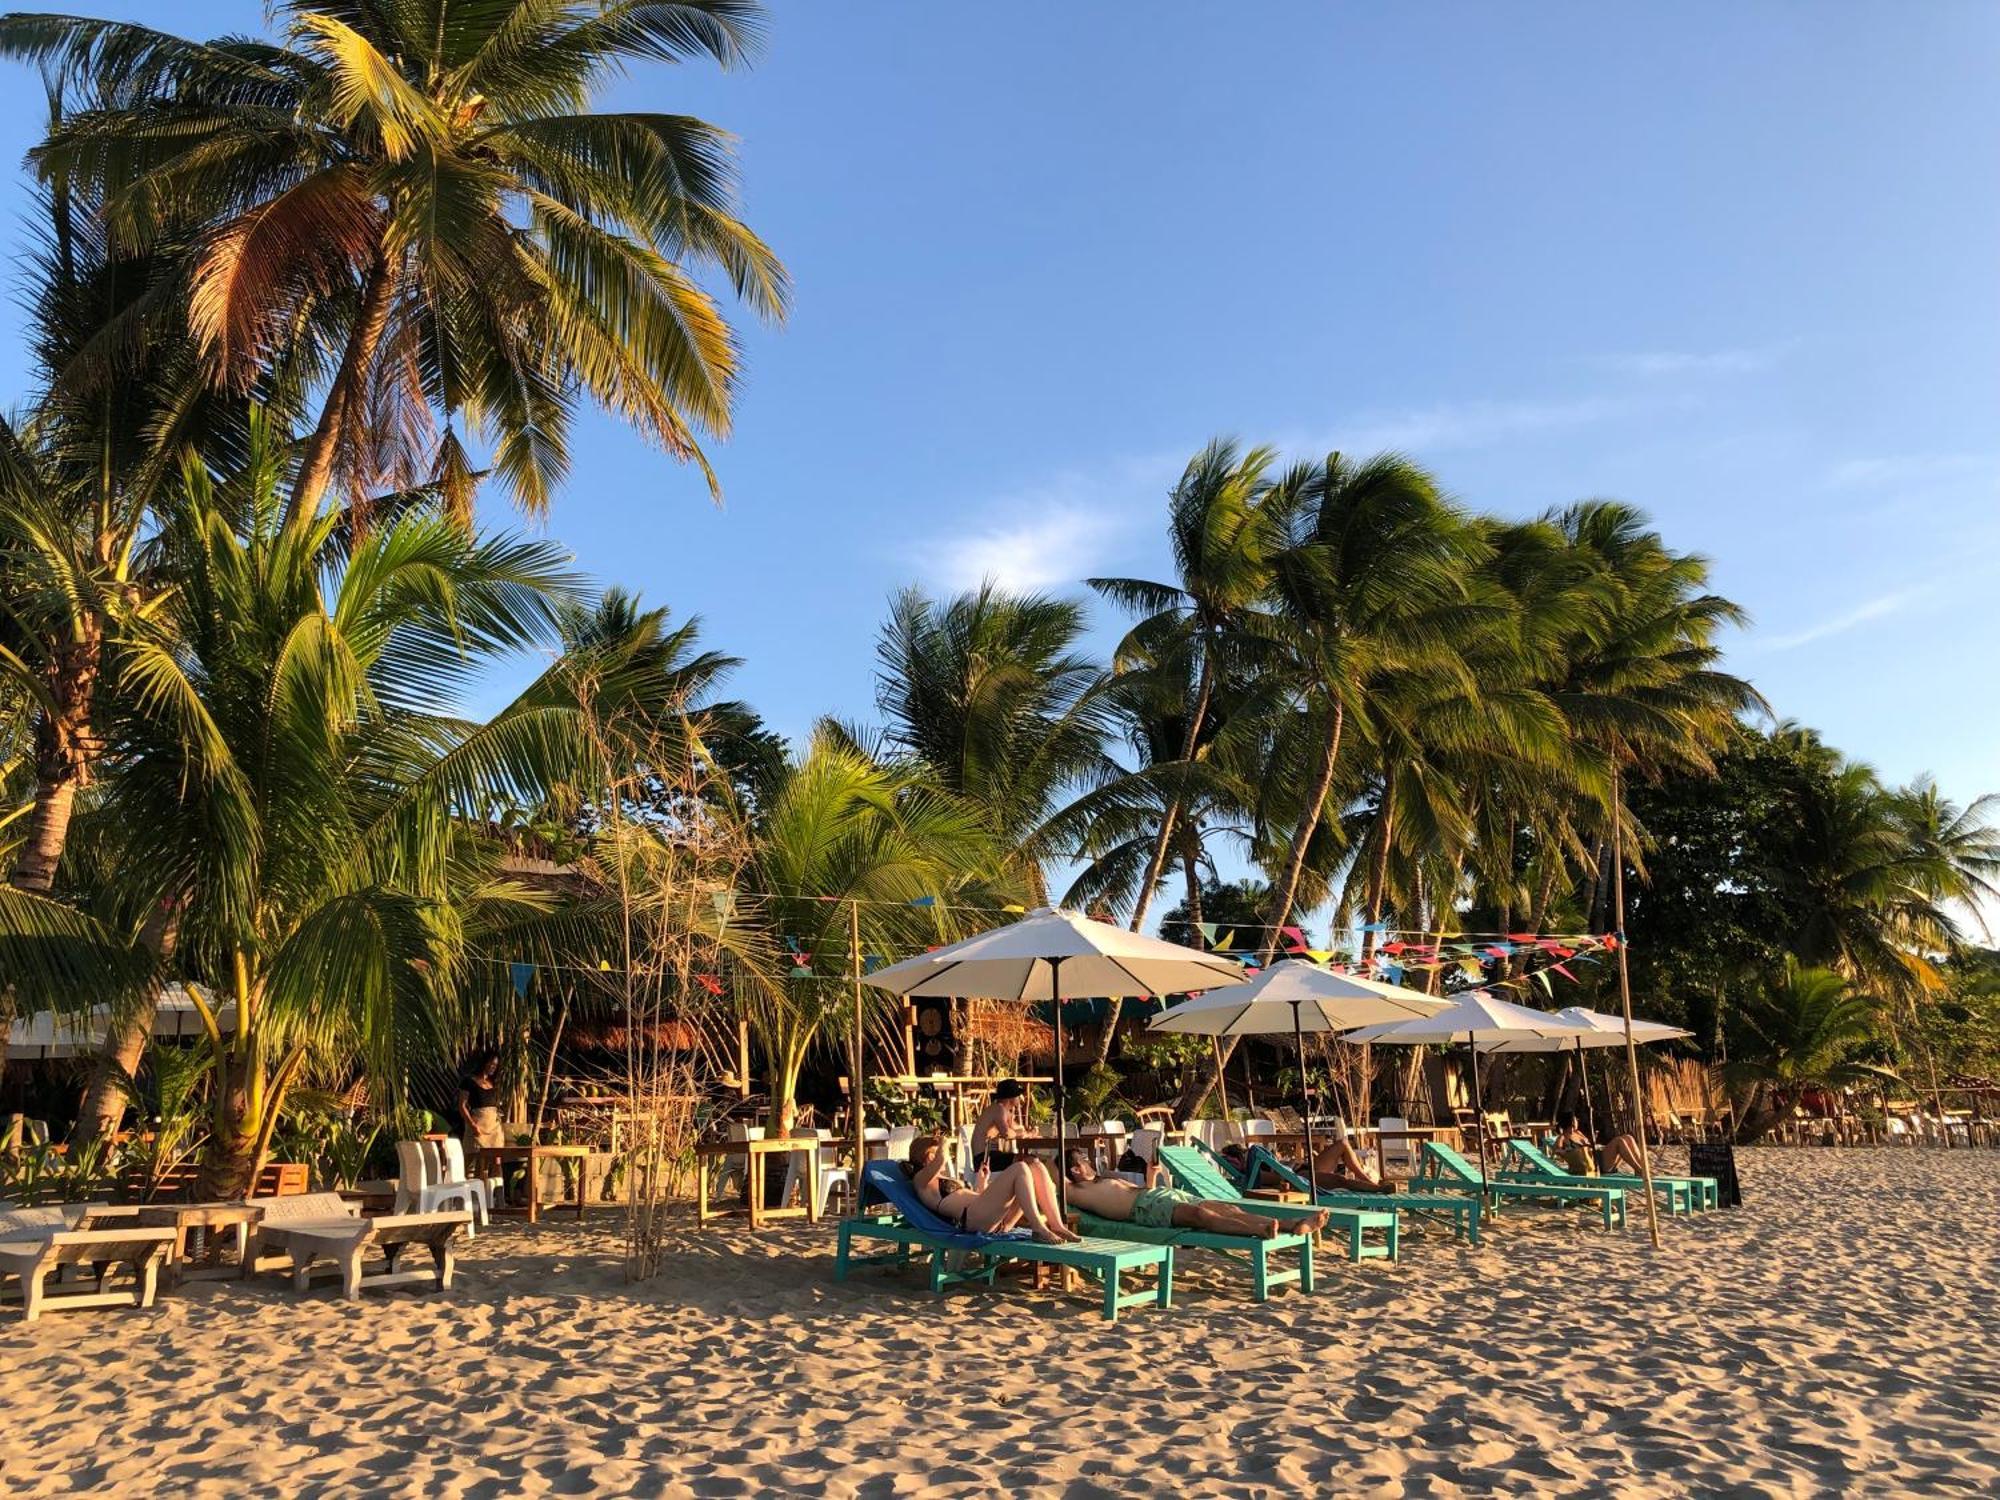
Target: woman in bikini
994,1201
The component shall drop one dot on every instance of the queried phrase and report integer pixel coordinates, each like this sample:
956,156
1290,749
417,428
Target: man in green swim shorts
1159,1207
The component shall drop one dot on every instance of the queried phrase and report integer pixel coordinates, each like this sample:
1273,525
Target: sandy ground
1841,1333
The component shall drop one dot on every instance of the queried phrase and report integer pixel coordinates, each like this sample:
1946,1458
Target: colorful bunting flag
523,975
709,982
924,901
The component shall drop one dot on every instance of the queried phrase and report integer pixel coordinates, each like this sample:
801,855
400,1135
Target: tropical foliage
290,299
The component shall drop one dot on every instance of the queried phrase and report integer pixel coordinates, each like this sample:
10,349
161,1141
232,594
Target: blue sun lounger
1462,1212
889,1209
1527,1162
1444,1169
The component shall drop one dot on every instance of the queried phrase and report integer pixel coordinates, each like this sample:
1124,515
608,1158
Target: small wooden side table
757,1155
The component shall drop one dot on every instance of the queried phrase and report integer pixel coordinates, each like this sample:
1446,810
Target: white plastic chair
832,1176
899,1140
452,1174
1395,1151
419,1188
1146,1145
1252,1129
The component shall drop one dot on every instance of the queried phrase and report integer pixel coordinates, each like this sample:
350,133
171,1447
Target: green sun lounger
1462,1212
1261,1256
1527,1162
1443,1168
1194,1169
892,1212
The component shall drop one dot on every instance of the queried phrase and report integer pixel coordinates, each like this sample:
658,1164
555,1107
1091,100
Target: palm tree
414,210
1222,538
1375,577
849,844
1805,1028
286,776
988,692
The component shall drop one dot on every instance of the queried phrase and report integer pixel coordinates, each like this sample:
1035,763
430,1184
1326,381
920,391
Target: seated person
993,1202
1171,1208
1574,1150
1336,1167
999,1125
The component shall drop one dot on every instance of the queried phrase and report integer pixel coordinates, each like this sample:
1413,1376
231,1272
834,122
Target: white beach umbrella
1604,1031
1297,996
1057,955
1474,1018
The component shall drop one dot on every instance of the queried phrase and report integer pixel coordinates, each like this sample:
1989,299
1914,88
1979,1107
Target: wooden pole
1625,999
857,1071
1221,1087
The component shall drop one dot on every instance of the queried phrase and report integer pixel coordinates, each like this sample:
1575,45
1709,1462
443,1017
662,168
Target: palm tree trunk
343,397
1308,825
229,1160
1295,863
1157,863
109,1090
1378,876
63,744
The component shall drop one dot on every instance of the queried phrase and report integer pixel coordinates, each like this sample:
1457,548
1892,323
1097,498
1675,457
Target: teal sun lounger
888,1209
1444,1169
1194,1169
1527,1162
1461,1212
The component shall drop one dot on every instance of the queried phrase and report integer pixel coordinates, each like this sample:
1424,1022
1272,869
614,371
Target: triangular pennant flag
1319,955
1563,969
1542,978
871,963
1393,947
1471,967
523,975
800,971
1207,931
1016,908
1227,941
604,965
791,943
924,901
724,903
1393,973
1375,927
1295,936
709,982
1520,937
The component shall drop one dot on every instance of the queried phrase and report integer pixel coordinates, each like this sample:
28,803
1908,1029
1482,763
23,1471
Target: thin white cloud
1872,609
1666,363
1468,424
1912,469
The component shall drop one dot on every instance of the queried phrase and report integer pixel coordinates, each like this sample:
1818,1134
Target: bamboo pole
857,1067
1625,999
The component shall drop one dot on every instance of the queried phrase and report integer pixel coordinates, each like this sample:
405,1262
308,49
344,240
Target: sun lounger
1444,1169
900,1218
1259,1255
36,1242
1527,1162
310,1228
1193,1168
1463,1213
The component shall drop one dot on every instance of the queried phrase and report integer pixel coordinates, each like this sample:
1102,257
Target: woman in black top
479,1102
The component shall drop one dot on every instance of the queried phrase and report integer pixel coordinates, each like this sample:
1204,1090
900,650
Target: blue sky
1737,264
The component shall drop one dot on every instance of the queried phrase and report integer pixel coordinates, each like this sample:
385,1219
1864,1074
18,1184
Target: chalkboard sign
1719,1162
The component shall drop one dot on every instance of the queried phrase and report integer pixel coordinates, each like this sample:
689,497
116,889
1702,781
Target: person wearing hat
995,1132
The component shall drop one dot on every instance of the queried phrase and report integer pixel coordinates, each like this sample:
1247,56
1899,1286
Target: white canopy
49,1034
1604,1030
1473,1017
1297,995
1022,960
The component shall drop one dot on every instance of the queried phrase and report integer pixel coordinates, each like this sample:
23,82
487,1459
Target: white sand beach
1837,1334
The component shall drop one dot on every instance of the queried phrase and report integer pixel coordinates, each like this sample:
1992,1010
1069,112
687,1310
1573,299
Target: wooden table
494,1159
757,1155
187,1219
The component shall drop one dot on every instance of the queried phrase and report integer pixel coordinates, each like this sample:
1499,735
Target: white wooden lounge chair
309,1228
36,1242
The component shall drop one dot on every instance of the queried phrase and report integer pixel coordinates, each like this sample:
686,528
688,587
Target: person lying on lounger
1335,1167
992,1202
1171,1208
1620,1154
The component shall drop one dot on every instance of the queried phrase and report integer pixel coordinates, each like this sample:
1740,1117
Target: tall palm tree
849,845
1222,538
288,774
989,692
1376,577
413,208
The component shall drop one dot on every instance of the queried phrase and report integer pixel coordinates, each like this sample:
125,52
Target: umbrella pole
1589,1105
1062,1153
1306,1098
1625,999
1479,1113
860,1064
